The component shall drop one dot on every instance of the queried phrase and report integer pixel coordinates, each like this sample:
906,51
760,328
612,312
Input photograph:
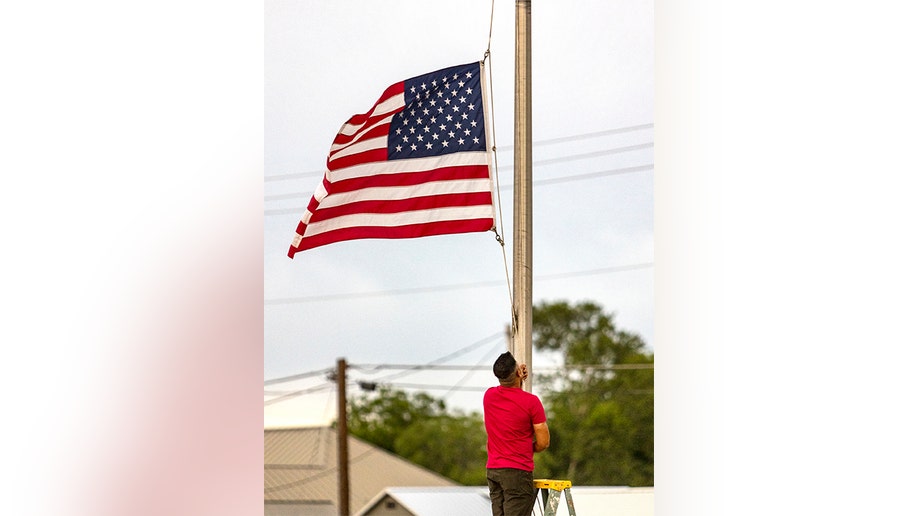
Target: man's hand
523,372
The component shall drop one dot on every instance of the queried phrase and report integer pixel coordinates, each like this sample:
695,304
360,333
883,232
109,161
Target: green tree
418,428
600,413
382,417
454,446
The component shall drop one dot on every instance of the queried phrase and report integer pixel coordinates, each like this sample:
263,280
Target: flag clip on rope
416,164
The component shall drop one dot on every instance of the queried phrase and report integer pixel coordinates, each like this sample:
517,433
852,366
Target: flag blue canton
443,114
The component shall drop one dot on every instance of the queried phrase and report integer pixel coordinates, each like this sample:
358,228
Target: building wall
388,507
300,509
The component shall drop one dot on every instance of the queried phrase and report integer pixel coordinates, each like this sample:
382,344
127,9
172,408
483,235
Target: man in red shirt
516,426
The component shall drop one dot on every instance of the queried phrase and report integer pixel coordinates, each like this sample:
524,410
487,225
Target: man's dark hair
504,366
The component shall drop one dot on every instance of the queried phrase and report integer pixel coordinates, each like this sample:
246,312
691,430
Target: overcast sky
423,300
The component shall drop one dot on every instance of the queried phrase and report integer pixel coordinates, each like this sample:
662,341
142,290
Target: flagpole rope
489,112
490,31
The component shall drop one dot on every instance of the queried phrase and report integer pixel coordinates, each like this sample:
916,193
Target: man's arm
542,437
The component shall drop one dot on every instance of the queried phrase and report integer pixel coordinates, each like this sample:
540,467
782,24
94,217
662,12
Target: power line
299,376
434,363
583,136
295,394
421,386
594,154
437,365
459,385
549,161
449,367
537,182
593,272
590,175
286,395
394,292
442,288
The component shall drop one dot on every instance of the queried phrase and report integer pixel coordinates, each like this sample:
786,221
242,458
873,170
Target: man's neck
515,384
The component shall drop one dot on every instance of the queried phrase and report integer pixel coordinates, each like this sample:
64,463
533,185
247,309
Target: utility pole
522,193
344,483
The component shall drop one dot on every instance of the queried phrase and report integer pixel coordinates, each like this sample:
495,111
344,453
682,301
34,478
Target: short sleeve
537,411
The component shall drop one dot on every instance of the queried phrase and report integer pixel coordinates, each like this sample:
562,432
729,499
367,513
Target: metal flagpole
522,193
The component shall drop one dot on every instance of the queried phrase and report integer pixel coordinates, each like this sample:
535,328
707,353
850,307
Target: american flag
416,164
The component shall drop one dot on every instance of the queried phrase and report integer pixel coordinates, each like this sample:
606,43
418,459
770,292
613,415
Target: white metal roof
618,501
437,501
465,501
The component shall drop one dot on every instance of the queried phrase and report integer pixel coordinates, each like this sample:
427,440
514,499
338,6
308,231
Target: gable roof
301,465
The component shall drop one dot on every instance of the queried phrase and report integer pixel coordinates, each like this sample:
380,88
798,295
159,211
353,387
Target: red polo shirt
509,414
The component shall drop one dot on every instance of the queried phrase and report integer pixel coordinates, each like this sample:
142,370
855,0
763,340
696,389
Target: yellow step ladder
551,495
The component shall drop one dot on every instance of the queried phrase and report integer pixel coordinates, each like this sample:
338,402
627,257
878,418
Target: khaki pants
511,490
